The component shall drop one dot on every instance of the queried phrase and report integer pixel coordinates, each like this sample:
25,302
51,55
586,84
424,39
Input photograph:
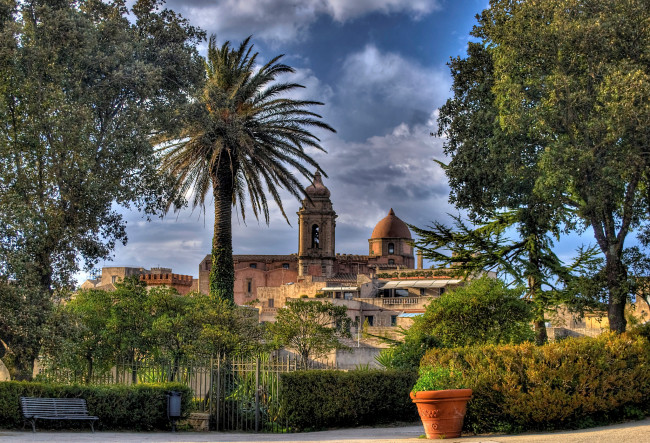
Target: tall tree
241,138
574,75
82,90
492,174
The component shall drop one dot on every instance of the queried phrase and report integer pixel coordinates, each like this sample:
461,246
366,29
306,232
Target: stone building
380,289
317,264
152,277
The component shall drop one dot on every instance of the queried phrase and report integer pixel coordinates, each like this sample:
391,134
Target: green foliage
311,328
226,329
240,139
23,313
437,378
82,89
77,337
137,407
569,384
407,354
566,77
314,400
483,311
493,174
133,325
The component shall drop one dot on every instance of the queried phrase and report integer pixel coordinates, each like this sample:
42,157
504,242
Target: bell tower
316,225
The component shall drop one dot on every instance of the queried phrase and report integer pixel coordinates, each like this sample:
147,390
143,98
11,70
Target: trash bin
173,407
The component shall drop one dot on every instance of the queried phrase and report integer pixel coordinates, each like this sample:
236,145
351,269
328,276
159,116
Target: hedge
141,407
321,399
574,383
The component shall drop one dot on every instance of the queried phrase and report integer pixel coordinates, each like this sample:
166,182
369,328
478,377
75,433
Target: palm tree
242,138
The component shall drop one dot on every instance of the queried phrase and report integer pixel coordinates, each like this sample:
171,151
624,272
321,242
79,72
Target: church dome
391,227
317,188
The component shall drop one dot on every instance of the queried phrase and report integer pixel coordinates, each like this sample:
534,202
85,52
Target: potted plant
441,399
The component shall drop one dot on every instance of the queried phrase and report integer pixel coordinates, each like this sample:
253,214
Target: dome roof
391,227
317,188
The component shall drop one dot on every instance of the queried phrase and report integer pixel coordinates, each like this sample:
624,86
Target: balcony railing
396,301
402,301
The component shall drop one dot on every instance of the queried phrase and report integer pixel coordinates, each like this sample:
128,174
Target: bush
483,311
438,378
574,383
140,407
322,399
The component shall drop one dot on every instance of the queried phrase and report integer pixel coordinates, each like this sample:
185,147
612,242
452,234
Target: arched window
285,265
391,248
315,241
391,261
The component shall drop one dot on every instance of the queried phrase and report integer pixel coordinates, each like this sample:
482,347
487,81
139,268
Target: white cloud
384,89
283,20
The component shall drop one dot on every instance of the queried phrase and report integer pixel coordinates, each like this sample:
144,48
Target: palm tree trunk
222,274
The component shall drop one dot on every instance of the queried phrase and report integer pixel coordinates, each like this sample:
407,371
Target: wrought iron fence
239,394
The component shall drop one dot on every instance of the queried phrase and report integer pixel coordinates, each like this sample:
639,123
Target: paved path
633,432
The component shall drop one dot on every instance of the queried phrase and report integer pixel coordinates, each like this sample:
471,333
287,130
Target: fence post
211,391
218,390
257,394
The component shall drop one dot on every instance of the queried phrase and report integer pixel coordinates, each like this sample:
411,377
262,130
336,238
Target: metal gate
245,394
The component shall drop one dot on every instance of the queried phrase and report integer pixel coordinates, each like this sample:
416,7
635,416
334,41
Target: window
391,261
393,320
422,292
271,303
285,265
249,285
114,279
253,265
371,320
442,291
401,292
323,270
391,248
315,233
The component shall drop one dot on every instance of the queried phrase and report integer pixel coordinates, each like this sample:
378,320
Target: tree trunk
222,274
616,277
89,375
535,295
21,368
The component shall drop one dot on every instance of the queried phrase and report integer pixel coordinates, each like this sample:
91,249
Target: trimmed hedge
323,399
574,383
141,407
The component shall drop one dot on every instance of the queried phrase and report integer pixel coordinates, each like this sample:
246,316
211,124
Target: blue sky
380,68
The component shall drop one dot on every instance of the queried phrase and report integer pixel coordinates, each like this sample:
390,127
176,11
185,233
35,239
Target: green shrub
437,378
323,399
569,384
140,407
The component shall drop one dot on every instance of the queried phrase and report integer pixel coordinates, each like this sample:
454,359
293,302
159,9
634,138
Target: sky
380,67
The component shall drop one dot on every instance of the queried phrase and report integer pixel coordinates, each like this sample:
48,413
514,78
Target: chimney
420,262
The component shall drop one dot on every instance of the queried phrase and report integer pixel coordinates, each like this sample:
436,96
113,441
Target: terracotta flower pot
442,412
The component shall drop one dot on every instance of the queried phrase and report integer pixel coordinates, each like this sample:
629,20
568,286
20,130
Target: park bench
55,409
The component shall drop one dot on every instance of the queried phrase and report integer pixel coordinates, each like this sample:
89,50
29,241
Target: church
389,248
382,289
